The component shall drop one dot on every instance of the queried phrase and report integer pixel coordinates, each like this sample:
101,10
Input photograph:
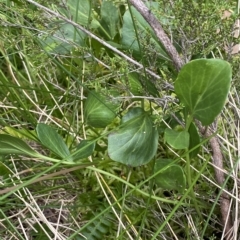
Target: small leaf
84,150
135,86
202,86
194,140
139,85
13,145
150,88
136,141
177,140
52,140
172,177
99,111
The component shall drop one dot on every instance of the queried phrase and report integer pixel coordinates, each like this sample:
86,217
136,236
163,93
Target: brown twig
215,146
219,174
160,33
91,35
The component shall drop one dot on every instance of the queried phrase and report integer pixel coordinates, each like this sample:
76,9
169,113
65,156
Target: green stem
189,172
189,180
142,103
185,195
188,122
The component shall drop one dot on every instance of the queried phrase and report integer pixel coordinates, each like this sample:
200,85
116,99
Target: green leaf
13,145
41,231
150,88
80,10
53,141
24,134
62,40
194,140
132,113
129,39
4,170
139,85
135,85
20,4
99,111
171,177
67,36
109,19
202,86
177,140
84,150
136,141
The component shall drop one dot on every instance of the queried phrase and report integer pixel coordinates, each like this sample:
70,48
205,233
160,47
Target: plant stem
189,174
189,180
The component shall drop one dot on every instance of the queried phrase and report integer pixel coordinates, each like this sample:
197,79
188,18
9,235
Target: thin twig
219,175
104,43
160,33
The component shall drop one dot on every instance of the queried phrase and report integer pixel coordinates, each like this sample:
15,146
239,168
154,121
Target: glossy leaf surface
202,86
99,111
177,140
136,141
171,177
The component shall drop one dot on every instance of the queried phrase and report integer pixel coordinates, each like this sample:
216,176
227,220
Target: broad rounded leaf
136,141
99,111
171,177
177,140
52,140
202,86
132,113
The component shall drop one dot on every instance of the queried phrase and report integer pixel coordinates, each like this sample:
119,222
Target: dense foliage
100,134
